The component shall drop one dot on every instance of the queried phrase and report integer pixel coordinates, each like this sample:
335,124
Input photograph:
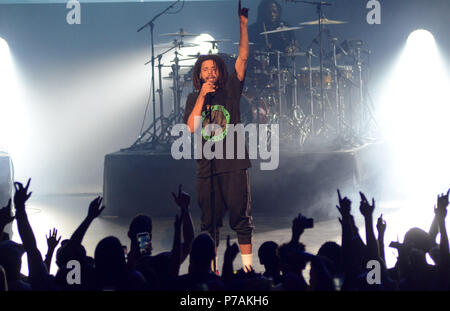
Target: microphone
208,101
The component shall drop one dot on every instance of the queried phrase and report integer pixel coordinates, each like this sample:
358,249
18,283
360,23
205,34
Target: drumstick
265,35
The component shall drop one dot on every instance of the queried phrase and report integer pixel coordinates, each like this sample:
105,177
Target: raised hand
94,208
21,195
381,225
299,224
5,215
52,240
183,199
232,250
365,208
442,203
242,13
442,200
344,206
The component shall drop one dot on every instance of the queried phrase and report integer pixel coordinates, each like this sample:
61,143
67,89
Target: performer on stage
269,18
219,93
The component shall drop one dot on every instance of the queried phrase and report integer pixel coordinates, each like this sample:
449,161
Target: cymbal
183,59
180,33
217,41
324,21
280,29
237,43
194,55
176,43
294,54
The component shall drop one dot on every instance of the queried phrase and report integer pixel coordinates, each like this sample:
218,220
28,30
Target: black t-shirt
225,110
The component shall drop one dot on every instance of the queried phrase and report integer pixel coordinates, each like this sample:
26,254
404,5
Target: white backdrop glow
415,118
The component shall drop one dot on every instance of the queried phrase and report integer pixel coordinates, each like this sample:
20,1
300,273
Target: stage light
13,118
414,112
205,47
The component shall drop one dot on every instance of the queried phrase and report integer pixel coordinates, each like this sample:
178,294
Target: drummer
269,18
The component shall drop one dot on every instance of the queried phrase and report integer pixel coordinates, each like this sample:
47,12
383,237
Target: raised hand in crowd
95,208
344,207
367,211
353,247
229,256
94,211
365,208
381,228
38,274
299,224
183,199
21,195
176,249
440,213
52,242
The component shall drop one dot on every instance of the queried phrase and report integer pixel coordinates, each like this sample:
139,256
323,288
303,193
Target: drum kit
316,106
324,103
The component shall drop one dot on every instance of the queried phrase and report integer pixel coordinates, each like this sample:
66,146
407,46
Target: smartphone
144,242
308,223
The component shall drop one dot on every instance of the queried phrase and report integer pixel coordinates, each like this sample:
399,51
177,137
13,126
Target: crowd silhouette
345,267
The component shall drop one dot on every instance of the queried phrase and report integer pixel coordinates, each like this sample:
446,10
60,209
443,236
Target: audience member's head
292,258
332,251
11,259
110,262
267,253
419,239
202,253
69,251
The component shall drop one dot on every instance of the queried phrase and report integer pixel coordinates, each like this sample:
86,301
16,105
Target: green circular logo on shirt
221,117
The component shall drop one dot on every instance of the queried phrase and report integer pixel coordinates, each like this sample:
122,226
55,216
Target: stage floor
66,213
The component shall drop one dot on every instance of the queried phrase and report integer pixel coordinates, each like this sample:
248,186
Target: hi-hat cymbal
180,33
324,21
280,29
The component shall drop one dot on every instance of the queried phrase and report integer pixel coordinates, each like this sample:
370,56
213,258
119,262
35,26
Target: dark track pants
231,193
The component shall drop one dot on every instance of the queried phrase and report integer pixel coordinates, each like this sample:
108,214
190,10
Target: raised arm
443,266
244,50
174,265
441,213
37,271
183,200
299,224
52,242
381,228
23,225
367,211
230,254
94,211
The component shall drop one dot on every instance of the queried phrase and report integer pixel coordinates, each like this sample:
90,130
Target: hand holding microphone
208,87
